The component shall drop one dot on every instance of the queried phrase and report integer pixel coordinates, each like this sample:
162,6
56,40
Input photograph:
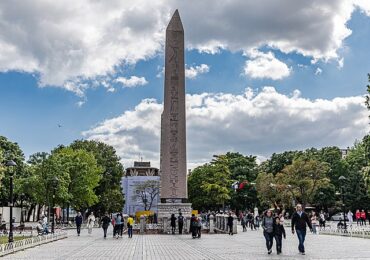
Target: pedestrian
257,222
117,225
299,221
90,222
230,223
268,230
314,222
45,224
121,226
279,233
130,225
322,220
78,221
243,223
173,224
193,226
105,221
358,217
350,218
180,220
199,227
363,217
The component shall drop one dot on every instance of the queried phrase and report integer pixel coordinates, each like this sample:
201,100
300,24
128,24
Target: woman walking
193,226
268,230
90,222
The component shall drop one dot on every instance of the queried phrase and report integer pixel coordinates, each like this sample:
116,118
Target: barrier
10,248
349,232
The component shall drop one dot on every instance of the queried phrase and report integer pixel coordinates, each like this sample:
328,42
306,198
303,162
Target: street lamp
342,179
11,164
54,183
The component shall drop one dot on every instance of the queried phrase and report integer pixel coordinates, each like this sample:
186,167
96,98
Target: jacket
105,221
279,230
230,220
78,220
299,222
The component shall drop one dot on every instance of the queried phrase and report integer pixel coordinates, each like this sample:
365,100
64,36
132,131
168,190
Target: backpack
181,219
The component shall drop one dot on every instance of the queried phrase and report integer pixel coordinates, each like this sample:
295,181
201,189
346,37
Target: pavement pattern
244,245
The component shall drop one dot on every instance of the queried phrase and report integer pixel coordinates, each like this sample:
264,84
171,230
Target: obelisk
173,173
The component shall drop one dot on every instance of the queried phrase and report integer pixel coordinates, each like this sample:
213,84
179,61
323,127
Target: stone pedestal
167,209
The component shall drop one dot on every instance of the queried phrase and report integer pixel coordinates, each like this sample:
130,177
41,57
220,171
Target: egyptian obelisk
173,173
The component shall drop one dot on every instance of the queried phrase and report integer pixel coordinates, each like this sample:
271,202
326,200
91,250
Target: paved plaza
248,245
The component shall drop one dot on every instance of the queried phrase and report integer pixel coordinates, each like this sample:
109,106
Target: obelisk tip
175,23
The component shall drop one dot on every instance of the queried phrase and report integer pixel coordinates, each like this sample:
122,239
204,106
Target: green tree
243,169
109,191
84,174
209,186
9,151
302,179
277,162
266,191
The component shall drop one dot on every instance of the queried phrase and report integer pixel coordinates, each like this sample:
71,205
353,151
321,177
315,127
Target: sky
261,76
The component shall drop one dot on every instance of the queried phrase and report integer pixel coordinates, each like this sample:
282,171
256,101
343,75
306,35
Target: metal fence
9,248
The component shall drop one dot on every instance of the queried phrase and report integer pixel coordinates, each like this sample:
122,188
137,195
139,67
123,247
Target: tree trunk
67,212
38,212
30,211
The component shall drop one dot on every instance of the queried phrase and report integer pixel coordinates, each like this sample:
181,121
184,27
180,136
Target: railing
9,248
349,232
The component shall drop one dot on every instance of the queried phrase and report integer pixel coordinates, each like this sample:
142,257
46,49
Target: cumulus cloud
193,71
77,41
132,82
258,123
265,65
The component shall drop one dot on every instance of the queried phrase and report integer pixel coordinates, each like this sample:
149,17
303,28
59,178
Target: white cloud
77,41
253,123
318,71
132,82
265,65
193,72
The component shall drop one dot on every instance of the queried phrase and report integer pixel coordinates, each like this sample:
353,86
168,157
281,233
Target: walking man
180,220
230,223
299,221
78,221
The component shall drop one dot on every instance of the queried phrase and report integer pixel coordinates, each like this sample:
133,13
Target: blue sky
34,101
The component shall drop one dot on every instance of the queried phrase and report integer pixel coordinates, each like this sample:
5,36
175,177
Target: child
279,232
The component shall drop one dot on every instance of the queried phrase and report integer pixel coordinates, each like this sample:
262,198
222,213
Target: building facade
133,186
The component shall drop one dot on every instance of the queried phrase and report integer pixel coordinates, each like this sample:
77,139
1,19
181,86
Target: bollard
142,224
165,224
211,224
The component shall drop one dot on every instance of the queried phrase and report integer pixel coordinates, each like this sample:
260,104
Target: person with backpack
180,221
173,224
78,221
105,221
299,222
193,226
268,230
230,223
130,225
117,225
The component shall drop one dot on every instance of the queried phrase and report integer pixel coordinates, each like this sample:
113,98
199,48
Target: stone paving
247,245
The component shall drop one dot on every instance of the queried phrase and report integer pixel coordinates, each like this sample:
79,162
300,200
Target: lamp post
54,183
11,164
342,180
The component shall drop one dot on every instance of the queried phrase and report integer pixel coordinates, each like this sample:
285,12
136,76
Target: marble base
167,209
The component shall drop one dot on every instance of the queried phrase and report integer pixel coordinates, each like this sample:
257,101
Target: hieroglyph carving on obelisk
173,126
